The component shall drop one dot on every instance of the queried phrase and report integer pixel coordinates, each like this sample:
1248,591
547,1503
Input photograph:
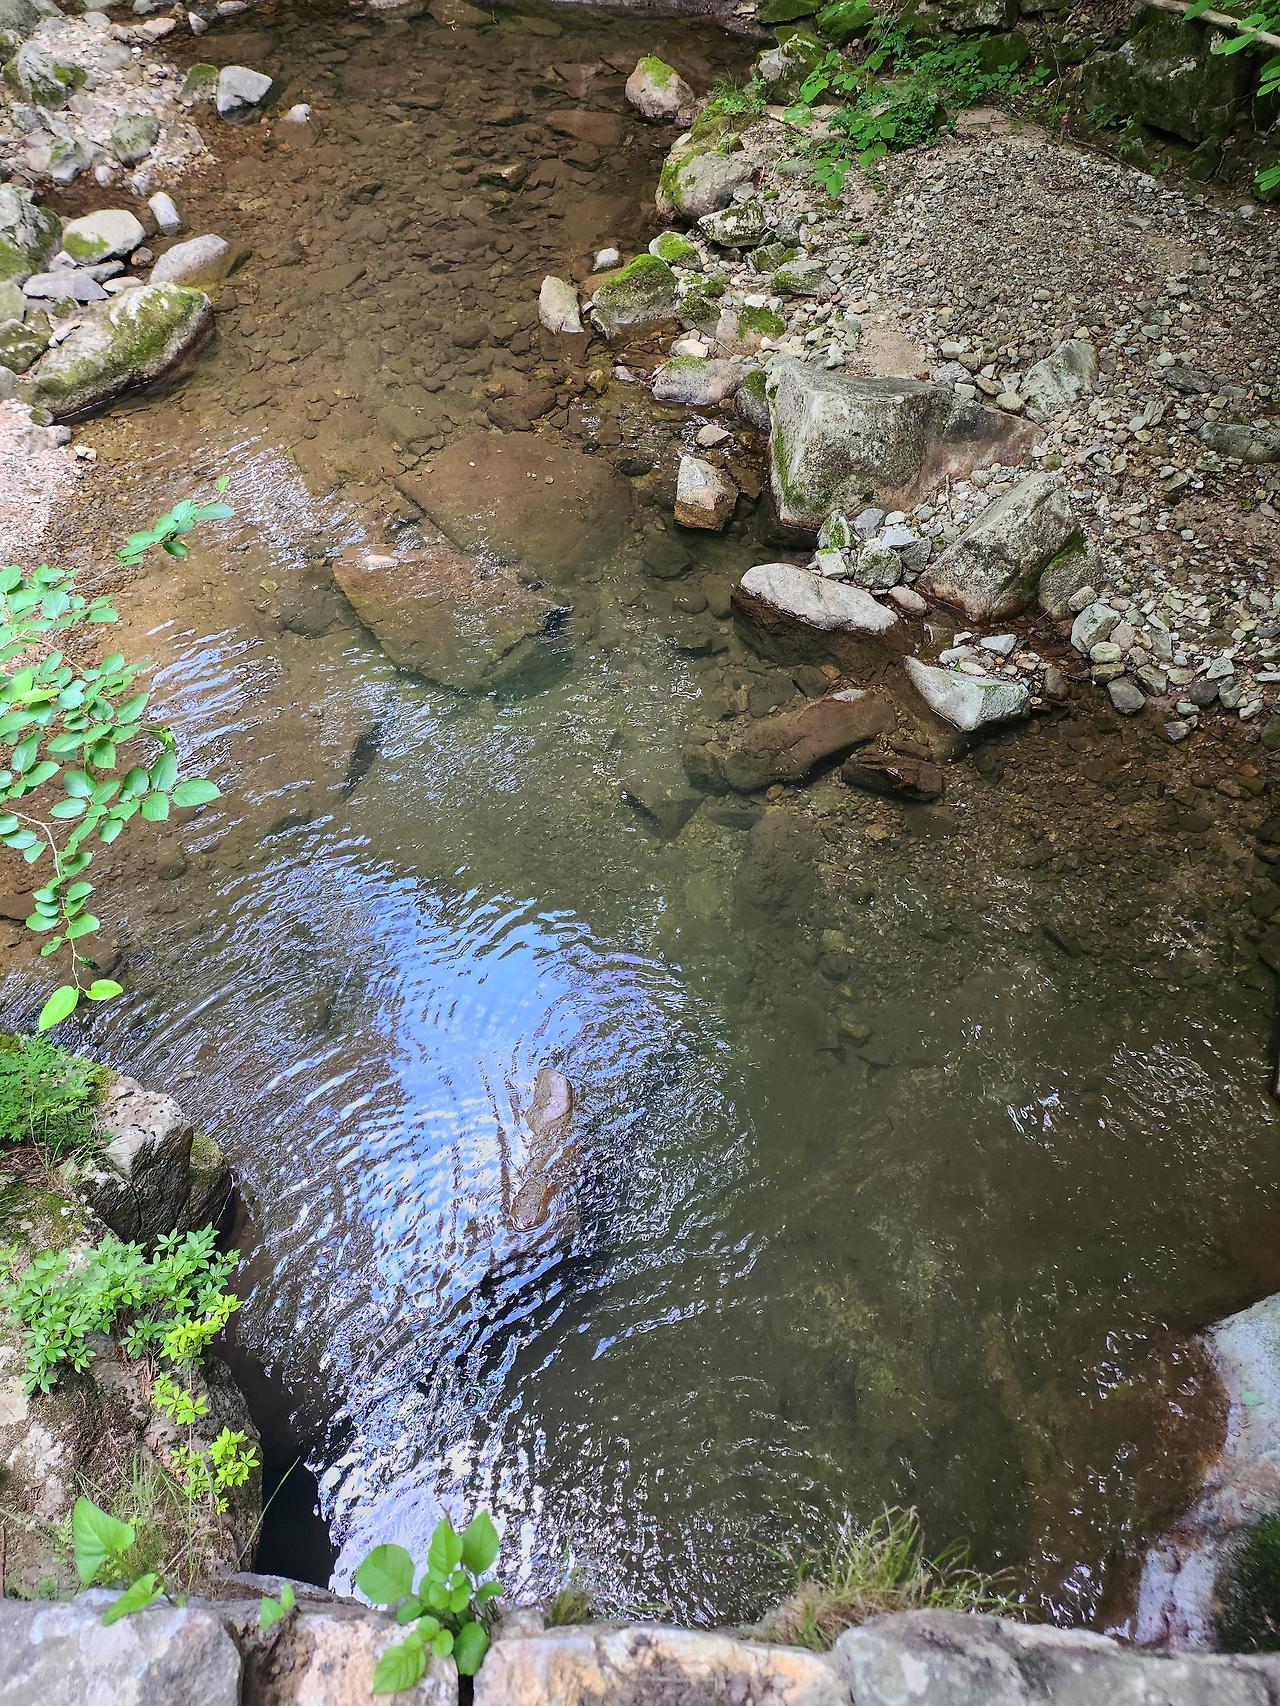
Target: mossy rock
643,293
29,235
999,52
1249,1621
23,342
703,170
786,11
842,20
783,69
764,322
200,87
752,400
675,250
656,70
118,345
35,75
1168,77
133,136
700,304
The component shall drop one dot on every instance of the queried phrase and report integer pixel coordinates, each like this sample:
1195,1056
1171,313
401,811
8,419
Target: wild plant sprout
80,757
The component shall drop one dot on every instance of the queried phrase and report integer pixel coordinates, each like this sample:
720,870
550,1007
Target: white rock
165,213
833,606
558,306
198,262
240,90
968,702
606,259
705,495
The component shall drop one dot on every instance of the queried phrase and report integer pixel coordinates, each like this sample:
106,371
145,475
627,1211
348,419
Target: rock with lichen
643,293
118,345
657,91
29,234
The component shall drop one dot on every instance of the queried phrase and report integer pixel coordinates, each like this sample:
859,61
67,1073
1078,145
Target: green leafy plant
170,1304
48,1097
1257,29
442,1607
272,1611
73,769
737,100
867,1571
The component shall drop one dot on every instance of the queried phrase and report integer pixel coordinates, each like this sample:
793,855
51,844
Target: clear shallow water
900,1161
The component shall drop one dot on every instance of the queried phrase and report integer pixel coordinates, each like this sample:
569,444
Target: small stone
240,90
606,259
558,306
165,213
1126,696
705,495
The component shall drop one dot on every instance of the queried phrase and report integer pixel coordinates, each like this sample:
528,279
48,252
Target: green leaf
460,1597
103,989
155,808
98,1538
480,1543
409,1609
487,1591
1252,1399
51,947
41,772
386,1575
145,1591
67,808
77,891
442,1644
400,1667
164,772
445,1552
60,1005
469,1648
84,925
196,792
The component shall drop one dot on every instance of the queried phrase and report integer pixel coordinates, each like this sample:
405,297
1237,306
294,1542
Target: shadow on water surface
903,1158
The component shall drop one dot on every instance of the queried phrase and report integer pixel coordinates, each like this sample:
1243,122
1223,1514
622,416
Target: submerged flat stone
447,616
790,745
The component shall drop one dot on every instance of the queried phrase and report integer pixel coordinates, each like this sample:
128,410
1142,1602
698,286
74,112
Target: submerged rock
657,91
705,494
968,702
643,293
137,336
446,616
900,777
29,234
790,745
548,1164
837,441
526,500
1027,537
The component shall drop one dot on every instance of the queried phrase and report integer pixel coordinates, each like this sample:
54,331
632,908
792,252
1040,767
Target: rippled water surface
899,1158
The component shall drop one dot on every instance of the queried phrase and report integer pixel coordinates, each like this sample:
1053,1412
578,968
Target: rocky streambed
920,1104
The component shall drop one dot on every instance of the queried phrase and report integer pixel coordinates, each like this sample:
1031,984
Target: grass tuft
867,1571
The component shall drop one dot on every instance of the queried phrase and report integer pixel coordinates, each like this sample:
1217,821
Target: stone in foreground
449,618
644,1666
781,593
558,306
127,342
838,442
153,1174
240,90
657,91
791,745
1026,537
60,1654
705,495
700,174
968,702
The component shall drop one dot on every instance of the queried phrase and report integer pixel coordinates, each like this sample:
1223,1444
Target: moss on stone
200,87
126,342
656,70
675,250
1250,1618
643,291
764,321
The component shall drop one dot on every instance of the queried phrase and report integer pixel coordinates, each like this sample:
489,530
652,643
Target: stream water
903,1156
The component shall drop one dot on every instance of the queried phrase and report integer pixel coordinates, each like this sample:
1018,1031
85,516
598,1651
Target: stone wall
324,1655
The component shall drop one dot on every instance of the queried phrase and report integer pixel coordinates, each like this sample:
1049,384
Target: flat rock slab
60,1655
649,1666
790,745
451,618
526,501
968,702
940,1658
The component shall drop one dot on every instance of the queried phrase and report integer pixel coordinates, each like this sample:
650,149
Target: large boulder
61,1655
118,345
995,568
29,235
839,442
790,745
657,91
1182,1574
643,1665
643,293
445,615
948,1658
1168,76
528,501
35,75
694,382
969,703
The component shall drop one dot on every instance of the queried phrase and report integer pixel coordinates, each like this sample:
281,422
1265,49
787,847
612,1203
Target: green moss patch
675,250
1250,1618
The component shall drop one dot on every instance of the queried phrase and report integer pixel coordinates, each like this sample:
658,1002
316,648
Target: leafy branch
67,784
443,1613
